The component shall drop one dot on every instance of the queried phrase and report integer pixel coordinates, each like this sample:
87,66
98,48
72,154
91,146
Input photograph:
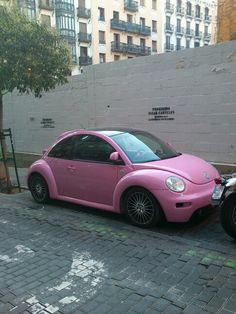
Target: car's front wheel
38,188
141,208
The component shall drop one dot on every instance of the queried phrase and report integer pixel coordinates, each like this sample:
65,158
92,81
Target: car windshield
143,147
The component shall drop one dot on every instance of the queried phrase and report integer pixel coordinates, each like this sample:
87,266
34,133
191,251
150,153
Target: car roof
107,131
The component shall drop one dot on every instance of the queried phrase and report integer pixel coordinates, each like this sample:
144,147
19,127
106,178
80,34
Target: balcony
65,6
198,35
169,8
84,13
130,27
207,18
207,36
85,60
178,47
169,28
47,4
189,14
27,3
198,17
84,37
169,47
131,5
189,32
68,34
179,11
179,30
117,46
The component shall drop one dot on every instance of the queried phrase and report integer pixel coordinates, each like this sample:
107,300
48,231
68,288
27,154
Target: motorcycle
224,196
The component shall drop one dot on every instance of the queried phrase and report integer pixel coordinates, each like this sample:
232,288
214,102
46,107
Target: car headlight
175,184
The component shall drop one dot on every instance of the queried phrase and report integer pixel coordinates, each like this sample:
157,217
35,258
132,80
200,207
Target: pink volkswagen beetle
123,171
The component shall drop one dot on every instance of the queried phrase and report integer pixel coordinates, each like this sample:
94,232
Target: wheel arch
123,195
44,171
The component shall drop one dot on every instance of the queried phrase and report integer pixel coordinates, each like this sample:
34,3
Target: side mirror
115,157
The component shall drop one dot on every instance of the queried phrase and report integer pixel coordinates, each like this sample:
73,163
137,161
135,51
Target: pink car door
82,170
95,176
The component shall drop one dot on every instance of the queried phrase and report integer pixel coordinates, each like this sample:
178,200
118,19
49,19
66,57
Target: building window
154,46
101,14
188,27
178,43
189,8
187,43
168,42
82,3
206,30
83,28
83,51
197,30
154,4
129,18
196,44
142,21
115,15
46,19
206,13
129,57
142,3
102,39
178,25
102,57
116,57
130,40
142,44
154,26
198,11
168,22
116,37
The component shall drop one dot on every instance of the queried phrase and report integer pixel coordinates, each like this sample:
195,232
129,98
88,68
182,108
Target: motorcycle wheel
228,215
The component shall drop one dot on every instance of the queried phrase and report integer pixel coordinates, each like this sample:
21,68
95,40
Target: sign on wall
161,114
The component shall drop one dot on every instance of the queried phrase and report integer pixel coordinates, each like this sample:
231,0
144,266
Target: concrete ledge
224,168
24,160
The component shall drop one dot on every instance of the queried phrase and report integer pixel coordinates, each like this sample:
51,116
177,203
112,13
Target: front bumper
180,207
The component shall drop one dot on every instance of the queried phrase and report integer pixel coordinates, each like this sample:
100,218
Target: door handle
71,167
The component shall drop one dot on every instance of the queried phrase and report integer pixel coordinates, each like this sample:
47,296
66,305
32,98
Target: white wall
198,85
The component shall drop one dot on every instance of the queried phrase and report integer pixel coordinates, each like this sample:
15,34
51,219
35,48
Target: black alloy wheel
39,188
141,208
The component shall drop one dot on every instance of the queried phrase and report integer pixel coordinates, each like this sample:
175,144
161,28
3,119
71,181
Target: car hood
186,166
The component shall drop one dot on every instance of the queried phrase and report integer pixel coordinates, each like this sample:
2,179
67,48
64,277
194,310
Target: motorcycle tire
228,215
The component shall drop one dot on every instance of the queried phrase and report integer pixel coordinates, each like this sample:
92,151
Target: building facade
100,31
226,20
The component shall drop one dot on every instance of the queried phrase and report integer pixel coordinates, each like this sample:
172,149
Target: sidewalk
22,173
62,258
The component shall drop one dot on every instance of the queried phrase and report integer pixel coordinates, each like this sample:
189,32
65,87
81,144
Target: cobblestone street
62,258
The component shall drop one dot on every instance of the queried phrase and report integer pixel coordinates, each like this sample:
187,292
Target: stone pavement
62,258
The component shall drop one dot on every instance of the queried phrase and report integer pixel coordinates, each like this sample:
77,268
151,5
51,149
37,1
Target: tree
33,59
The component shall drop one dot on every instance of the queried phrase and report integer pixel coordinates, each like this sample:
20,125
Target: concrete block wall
191,95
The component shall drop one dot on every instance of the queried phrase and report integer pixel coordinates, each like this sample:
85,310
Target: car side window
63,149
91,148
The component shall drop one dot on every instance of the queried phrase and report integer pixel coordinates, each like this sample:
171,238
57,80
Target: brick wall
187,98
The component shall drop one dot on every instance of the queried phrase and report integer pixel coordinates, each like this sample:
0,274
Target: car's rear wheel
39,188
141,208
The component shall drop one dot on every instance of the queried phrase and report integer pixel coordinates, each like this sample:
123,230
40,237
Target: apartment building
100,31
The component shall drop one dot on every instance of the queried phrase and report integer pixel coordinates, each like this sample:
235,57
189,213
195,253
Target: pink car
123,171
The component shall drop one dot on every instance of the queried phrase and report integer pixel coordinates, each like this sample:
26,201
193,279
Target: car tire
39,188
228,215
141,208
